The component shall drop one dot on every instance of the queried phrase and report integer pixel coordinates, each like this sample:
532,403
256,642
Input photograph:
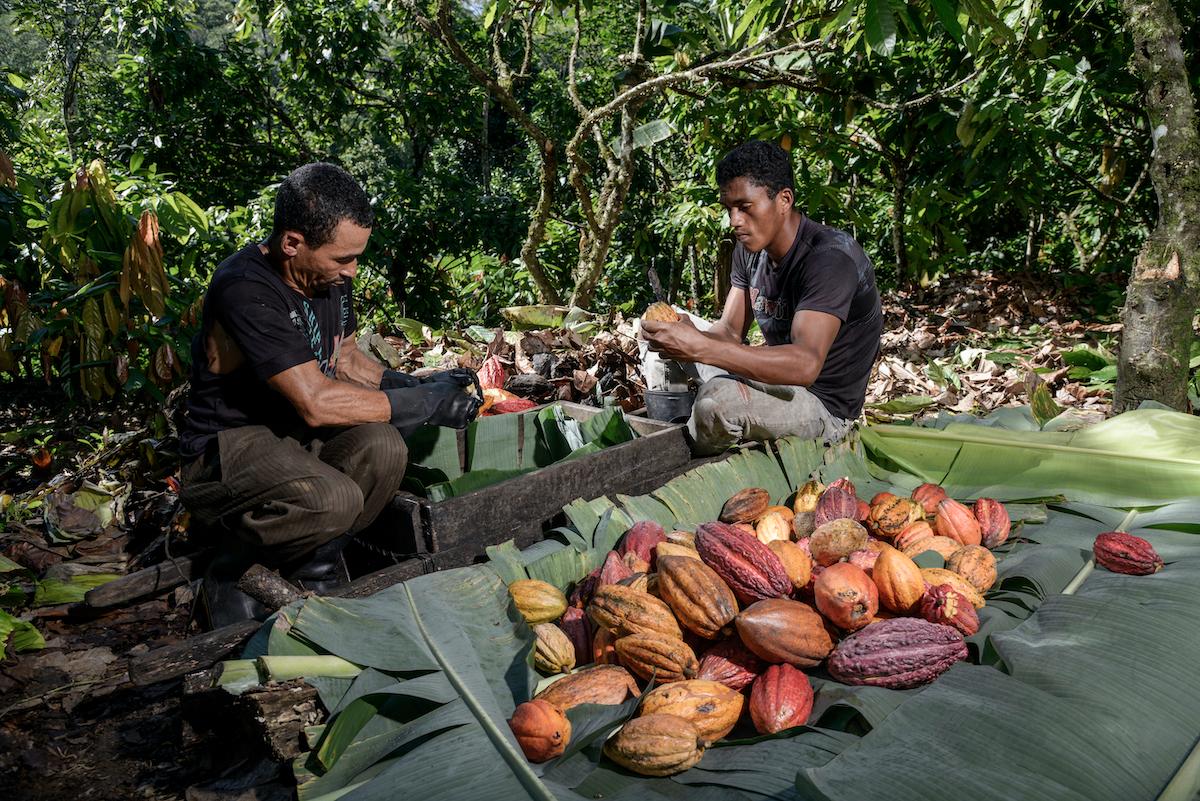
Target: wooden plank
195,653
517,508
148,581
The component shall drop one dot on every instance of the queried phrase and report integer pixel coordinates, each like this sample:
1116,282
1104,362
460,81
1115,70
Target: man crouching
811,289
294,438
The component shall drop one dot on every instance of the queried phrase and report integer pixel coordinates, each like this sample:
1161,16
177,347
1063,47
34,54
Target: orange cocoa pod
898,580
701,601
976,564
711,707
888,518
541,729
913,533
797,562
954,520
661,313
777,630
929,496
602,684
845,594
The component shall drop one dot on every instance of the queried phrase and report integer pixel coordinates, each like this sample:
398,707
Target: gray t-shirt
827,271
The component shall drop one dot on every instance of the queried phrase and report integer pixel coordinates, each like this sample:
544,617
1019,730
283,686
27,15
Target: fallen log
149,581
268,587
195,653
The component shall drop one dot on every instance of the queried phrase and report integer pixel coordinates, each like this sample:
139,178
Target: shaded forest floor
71,723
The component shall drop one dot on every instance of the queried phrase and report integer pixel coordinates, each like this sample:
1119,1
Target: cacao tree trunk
899,212
1164,285
722,275
694,262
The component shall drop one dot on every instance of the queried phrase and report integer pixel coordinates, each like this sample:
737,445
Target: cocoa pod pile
719,626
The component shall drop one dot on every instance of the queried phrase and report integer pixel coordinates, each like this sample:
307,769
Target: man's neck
282,266
786,237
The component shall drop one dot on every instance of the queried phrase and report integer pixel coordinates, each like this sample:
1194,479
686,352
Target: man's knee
330,503
387,446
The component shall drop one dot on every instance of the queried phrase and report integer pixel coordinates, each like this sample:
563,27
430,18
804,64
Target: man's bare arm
322,401
356,367
799,363
735,318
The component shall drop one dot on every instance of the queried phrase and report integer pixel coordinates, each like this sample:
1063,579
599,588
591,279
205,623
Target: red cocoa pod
864,511
898,653
929,496
731,663
585,588
956,522
575,624
614,570
641,539
844,483
880,497
782,697
864,559
994,523
945,605
748,567
1125,553
833,504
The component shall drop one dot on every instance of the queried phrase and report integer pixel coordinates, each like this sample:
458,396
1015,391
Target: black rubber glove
460,376
394,379
437,403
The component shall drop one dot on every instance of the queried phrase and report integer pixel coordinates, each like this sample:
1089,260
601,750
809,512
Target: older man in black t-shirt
294,437
811,289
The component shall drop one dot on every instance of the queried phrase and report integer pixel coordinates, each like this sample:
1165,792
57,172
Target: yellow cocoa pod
553,651
711,707
537,601
656,745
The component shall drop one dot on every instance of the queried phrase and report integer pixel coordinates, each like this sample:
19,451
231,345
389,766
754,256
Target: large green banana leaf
1081,683
1142,458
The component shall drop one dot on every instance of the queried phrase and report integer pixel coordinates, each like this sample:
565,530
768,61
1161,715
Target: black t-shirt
275,327
825,270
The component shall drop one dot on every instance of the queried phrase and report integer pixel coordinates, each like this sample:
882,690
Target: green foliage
945,135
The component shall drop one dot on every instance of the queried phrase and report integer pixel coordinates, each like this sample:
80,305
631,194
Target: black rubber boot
221,602
324,570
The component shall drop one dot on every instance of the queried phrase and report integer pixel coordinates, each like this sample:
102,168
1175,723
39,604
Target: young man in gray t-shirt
811,289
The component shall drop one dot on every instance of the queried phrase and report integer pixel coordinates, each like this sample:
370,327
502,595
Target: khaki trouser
729,409
285,496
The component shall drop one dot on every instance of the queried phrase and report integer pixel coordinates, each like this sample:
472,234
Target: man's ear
290,243
787,198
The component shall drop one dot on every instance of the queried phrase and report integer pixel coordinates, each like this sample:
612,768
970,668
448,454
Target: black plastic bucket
671,407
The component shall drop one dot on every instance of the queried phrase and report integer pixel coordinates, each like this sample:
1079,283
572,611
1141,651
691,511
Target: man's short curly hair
314,198
763,163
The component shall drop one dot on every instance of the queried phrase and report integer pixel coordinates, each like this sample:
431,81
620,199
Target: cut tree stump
270,718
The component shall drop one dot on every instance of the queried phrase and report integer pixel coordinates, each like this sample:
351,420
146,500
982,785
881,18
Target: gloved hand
461,376
437,403
394,379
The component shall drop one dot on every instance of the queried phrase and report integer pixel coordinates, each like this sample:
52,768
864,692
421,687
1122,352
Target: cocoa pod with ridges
1126,553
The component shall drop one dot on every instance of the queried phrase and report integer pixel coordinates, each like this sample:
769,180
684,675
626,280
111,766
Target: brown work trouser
284,496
